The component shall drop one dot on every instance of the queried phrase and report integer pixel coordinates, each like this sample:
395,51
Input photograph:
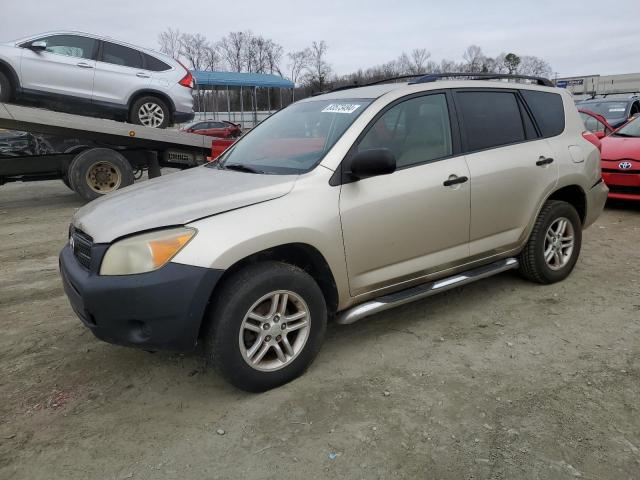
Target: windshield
294,140
631,129
608,109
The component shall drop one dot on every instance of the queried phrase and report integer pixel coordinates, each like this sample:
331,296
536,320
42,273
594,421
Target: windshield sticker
341,108
617,109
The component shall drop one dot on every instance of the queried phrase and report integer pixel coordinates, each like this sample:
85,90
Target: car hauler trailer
91,156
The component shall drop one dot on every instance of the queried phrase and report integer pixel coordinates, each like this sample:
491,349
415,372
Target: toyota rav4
338,206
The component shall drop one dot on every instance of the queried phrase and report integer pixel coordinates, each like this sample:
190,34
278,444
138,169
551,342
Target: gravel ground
500,379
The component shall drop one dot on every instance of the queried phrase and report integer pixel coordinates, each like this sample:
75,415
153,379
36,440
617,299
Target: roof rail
432,77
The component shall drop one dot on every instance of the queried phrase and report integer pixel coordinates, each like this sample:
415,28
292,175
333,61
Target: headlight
146,252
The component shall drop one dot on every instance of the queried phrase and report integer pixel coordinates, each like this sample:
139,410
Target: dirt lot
499,379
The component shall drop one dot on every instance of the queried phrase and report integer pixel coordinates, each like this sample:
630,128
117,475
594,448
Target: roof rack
432,77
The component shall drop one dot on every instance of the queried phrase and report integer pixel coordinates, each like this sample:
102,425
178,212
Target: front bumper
160,310
623,185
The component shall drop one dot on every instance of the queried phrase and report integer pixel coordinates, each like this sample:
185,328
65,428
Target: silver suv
87,74
339,206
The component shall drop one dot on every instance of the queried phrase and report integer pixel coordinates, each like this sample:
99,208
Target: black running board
392,300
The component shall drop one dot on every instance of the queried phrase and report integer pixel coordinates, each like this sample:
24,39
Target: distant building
582,87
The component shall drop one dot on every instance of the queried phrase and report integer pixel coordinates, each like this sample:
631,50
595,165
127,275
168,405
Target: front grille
624,172
82,243
624,189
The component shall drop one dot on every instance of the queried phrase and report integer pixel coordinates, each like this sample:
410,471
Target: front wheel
150,112
266,325
554,245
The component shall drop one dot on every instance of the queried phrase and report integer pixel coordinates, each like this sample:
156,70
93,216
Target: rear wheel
554,245
266,326
98,171
5,88
150,112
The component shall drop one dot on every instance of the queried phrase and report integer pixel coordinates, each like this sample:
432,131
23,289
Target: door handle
142,75
544,161
453,180
84,65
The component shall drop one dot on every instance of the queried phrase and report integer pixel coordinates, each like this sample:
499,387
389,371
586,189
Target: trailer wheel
65,180
98,171
150,112
5,88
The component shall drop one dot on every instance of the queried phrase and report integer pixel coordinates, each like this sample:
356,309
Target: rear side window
121,55
153,64
490,119
548,111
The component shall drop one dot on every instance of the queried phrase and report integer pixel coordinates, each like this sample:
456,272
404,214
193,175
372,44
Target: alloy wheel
558,243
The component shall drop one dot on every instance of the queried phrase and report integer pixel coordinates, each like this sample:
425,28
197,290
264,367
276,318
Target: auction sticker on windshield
341,108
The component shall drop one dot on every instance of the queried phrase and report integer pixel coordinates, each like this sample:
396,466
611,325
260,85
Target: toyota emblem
625,165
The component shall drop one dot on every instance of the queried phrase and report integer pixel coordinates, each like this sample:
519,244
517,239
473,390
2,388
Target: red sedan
215,128
621,161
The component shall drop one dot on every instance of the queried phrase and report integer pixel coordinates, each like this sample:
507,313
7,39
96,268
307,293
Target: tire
99,171
65,180
533,264
5,88
159,112
253,289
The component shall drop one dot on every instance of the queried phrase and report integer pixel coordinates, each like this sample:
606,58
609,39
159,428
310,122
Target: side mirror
599,134
38,46
373,162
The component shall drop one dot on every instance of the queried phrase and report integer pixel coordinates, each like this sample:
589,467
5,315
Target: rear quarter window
155,65
548,111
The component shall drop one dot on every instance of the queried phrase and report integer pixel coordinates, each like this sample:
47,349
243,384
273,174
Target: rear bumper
183,117
596,198
160,310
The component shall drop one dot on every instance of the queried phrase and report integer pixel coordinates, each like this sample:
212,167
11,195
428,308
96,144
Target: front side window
70,45
294,140
121,55
416,131
490,119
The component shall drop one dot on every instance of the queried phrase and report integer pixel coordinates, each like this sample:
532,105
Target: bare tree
534,66
169,41
474,59
195,49
318,69
233,49
298,62
420,60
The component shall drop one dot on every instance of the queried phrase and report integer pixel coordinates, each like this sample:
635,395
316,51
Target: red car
621,161
215,128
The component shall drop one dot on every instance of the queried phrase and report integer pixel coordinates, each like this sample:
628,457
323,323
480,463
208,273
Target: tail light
591,137
187,80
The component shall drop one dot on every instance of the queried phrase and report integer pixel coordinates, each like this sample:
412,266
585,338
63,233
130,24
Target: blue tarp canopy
234,79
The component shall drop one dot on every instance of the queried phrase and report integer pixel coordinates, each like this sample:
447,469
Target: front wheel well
301,255
12,76
575,196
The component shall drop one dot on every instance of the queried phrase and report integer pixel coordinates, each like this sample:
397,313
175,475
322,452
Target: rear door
119,74
66,67
405,225
512,167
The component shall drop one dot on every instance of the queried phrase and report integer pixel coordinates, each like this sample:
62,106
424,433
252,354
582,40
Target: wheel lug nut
276,319
267,338
283,326
278,338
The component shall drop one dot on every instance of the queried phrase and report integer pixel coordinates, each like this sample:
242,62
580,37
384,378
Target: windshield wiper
238,167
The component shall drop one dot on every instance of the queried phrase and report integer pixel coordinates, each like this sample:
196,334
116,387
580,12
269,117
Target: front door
66,67
401,226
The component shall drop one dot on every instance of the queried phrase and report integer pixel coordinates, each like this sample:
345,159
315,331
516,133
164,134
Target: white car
88,74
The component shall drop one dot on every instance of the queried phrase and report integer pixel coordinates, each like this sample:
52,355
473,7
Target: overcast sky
575,36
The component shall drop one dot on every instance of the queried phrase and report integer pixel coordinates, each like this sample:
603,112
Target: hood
177,199
618,148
